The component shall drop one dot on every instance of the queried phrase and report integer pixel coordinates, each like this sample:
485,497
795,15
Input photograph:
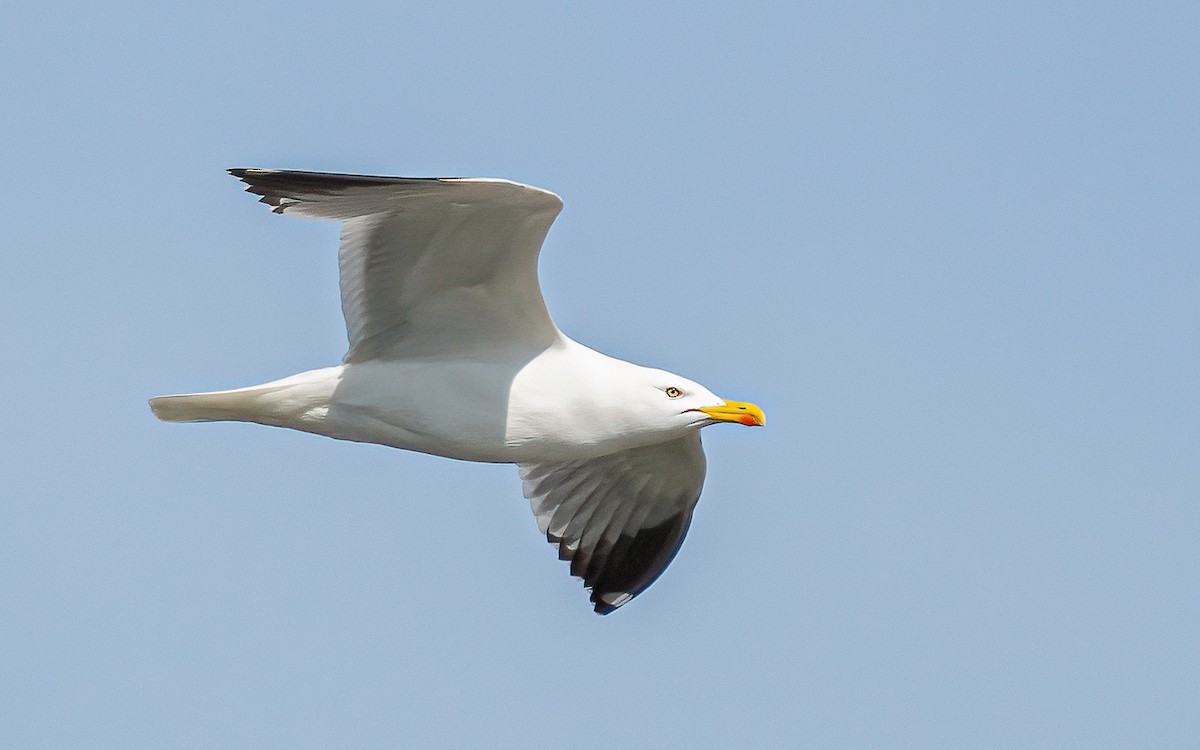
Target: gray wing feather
428,266
621,518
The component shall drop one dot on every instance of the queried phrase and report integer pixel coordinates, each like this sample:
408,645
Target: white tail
239,405
297,401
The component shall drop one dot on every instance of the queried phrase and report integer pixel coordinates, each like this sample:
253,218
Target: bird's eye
673,392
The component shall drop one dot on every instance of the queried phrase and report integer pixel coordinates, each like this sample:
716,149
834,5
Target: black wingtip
259,182
243,173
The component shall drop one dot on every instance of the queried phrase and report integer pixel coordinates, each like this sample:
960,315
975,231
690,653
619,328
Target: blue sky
951,248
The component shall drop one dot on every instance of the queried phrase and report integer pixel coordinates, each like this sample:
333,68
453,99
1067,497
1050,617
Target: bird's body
452,353
494,410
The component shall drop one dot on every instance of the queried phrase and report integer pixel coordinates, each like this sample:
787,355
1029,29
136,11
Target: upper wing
619,518
428,266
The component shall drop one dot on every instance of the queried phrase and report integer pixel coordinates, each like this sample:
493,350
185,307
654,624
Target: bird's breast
523,410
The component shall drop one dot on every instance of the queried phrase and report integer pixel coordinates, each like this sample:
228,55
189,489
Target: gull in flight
453,353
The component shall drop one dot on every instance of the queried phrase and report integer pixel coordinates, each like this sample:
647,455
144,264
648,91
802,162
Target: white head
600,404
678,404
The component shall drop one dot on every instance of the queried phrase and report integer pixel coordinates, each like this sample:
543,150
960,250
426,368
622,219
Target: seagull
453,353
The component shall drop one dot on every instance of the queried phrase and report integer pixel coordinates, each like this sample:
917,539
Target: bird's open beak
736,411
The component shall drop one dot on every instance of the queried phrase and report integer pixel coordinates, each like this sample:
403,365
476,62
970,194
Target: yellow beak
737,411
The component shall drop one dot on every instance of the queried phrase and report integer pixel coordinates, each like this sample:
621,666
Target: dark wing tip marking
279,187
325,182
630,565
282,188
604,608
